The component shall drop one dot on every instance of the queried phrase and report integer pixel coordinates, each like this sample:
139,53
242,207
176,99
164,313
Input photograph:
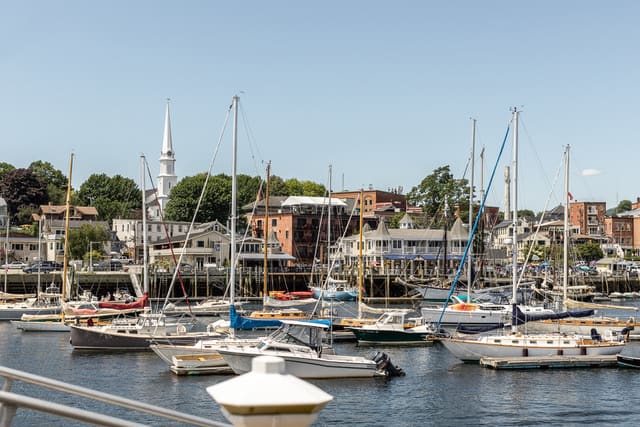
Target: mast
470,255
145,254
514,262
565,245
266,237
6,253
445,238
360,263
329,227
234,196
66,239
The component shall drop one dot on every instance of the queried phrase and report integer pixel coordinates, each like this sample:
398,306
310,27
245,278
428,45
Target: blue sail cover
519,318
240,322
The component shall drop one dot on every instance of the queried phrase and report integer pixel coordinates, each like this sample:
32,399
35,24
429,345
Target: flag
570,195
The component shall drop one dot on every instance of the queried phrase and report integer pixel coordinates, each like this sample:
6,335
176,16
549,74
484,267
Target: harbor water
437,390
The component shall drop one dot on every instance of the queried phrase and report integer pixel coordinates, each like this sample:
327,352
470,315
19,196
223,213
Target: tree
526,214
216,203
624,205
4,168
431,192
80,239
111,196
21,189
54,179
589,251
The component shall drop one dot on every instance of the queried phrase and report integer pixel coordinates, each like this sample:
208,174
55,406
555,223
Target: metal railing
10,402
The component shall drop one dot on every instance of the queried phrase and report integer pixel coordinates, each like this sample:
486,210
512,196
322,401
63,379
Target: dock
549,362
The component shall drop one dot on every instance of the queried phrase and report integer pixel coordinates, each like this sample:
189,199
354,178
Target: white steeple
167,178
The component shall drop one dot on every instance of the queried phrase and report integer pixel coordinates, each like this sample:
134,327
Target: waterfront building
207,245
588,216
299,223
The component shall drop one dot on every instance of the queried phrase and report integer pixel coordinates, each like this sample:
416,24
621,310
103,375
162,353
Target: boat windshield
298,334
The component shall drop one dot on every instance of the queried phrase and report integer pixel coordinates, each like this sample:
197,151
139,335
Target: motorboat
301,345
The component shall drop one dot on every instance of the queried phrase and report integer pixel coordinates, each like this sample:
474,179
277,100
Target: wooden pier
549,362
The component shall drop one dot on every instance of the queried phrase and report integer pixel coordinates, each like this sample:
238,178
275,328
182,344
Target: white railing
10,402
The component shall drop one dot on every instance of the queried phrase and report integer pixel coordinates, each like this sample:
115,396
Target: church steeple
167,178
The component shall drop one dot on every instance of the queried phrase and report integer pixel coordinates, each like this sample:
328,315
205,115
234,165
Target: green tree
80,238
111,196
278,187
430,194
54,179
527,214
4,168
22,189
589,251
216,203
624,205
313,189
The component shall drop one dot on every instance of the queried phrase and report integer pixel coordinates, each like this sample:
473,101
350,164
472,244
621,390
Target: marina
435,382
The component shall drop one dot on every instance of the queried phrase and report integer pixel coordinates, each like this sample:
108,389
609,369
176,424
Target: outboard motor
383,363
625,332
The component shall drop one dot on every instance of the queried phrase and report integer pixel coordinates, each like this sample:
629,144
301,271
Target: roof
308,200
58,209
270,257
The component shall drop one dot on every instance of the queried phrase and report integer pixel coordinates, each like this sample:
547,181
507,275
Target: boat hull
628,361
17,312
468,318
97,338
330,366
473,350
390,337
45,326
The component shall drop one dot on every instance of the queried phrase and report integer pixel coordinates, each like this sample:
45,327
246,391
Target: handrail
9,401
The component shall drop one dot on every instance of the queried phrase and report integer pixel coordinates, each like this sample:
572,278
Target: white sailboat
518,344
465,312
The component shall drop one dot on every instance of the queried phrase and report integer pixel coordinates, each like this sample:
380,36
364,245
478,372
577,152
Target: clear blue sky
383,91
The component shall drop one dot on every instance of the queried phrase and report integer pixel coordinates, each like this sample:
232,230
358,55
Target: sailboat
201,356
516,344
48,322
333,289
459,311
148,327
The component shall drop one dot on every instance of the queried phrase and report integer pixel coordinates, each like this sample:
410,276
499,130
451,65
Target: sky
384,92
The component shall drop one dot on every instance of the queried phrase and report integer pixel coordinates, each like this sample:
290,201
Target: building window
274,222
200,243
286,234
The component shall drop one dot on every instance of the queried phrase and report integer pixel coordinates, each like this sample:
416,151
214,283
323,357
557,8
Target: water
437,390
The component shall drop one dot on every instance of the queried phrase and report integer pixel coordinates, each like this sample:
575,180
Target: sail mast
65,283
470,255
145,253
360,263
234,196
565,245
265,277
514,262
329,265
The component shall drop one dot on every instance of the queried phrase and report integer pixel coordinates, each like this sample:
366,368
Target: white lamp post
268,397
